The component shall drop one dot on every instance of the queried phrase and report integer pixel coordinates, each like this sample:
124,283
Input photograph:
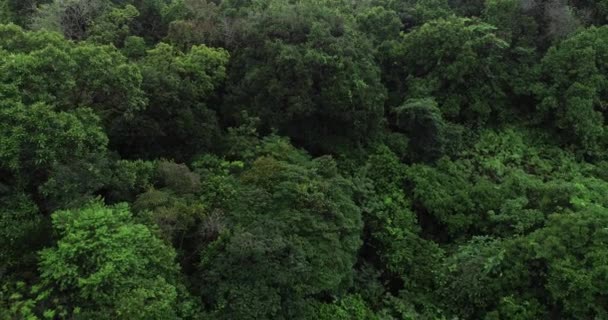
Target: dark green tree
179,120
572,91
37,142
461,63
294,225
306,72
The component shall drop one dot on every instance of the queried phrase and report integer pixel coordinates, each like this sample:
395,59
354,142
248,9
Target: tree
506,183
179,121
514,21
108,267
172,204
22,10
113,26
380,22
413,13
294,225
151,23
595,12
566,259
572,91
46,68
393,237
351,307
80,19
303,159
306,72
21,233
534,23
421,120
72,18
6,15
461,63
36,141
468,8
197,22
471,283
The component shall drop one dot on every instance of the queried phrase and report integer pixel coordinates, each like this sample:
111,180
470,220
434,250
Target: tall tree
306,72
294,227
180,119
461,63
105,266
572,91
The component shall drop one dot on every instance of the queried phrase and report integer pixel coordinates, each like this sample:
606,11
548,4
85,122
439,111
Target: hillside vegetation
304,159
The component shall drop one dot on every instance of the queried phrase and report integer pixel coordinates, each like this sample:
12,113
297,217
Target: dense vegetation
304,159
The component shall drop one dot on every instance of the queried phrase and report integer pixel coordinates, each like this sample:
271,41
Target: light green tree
105,266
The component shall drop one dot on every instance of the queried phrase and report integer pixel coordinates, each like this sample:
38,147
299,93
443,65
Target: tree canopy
303,159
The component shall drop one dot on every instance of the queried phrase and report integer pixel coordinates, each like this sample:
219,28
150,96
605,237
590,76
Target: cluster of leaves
303,159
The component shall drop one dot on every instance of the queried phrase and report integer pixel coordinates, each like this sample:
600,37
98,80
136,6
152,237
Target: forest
304,159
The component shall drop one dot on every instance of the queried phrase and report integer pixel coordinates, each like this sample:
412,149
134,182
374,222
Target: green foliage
572,92
72,18
308,74
41,149
113,26
413,13
197,21
423,123
178,177
134,47
129,178
513,24
22,10
292,217
427,10
516,308
303,159
379,22
172,207
471,280
502,182
104,262
468,8
6,16
37,137
105,21
151,23
459,62
42,67
177,121
394,235
21,230
351,307
570,248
